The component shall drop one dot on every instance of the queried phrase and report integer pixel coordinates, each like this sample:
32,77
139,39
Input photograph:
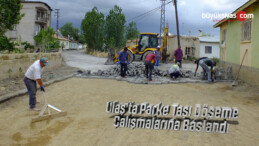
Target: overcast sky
190,13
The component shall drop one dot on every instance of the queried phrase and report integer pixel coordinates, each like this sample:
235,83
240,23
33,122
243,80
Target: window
208,49
247,30
187,51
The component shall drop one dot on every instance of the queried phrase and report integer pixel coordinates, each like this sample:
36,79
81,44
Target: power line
148,12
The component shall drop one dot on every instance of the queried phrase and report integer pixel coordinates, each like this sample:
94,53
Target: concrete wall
247,74
215,50
15,65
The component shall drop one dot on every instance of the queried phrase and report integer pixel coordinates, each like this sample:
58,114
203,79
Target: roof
37,2
244,6
208,39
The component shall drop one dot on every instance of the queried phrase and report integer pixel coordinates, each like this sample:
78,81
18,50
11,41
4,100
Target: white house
209,47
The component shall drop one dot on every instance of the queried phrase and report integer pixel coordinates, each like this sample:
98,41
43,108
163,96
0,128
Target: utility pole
177,23
57,24
162,19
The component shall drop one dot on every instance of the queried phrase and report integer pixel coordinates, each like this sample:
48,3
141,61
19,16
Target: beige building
37,17
189,44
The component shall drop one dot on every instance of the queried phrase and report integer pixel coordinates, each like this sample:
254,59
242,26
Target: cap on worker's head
175,65
44,60
158,47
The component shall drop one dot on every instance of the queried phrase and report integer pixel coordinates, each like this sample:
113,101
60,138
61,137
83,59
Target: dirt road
87,123
81,60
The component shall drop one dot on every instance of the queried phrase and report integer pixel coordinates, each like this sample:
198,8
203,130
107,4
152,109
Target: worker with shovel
205,62
32,75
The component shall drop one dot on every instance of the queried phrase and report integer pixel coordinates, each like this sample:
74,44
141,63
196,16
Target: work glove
42,89
194,73
118,63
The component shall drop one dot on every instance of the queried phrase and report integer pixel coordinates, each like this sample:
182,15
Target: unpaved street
81,60
87,123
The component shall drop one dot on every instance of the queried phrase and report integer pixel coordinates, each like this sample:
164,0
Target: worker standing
123,59
178,55
149,65
32,75
158,55
205,62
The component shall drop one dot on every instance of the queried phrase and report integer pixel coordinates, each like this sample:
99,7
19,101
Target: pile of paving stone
134,70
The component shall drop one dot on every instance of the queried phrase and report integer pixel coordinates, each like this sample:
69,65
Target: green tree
10,14
93,29
45,39
6,44
68,29
82,38
114,28
132,31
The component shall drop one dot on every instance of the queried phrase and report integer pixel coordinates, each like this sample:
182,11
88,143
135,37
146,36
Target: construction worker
178,56
123,60
158,55
205,62
32,75
174,71
149,65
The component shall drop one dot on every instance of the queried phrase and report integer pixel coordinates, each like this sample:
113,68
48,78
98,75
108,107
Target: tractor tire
145,55
130,57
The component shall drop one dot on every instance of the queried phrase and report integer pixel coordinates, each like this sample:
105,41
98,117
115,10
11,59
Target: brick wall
15,65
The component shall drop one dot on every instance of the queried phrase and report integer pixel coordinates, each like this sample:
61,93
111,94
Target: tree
45,39
6,44
131,31
93,29
10,14
68,29
114,28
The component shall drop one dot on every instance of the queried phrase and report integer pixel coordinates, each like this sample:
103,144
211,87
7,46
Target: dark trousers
148,69
175,74
124,68
180,61
32,89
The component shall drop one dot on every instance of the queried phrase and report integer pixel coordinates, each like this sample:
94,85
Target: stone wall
15,65
247,74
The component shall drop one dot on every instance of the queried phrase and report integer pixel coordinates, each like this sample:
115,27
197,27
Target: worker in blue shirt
123,60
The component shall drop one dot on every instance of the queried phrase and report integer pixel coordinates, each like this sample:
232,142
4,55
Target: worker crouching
175,72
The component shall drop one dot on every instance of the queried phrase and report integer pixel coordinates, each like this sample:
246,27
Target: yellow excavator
147,43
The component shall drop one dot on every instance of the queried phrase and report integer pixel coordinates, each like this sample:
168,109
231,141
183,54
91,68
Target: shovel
235,83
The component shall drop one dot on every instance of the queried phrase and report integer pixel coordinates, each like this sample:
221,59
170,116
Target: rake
45,112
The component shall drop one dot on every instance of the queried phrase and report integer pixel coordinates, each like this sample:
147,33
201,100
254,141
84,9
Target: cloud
189,12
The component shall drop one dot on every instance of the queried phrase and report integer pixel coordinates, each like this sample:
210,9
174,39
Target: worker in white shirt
32,75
